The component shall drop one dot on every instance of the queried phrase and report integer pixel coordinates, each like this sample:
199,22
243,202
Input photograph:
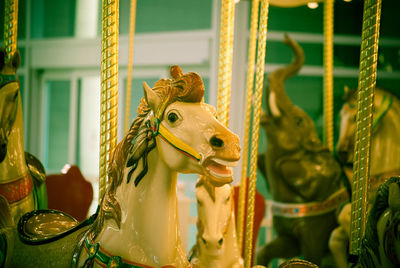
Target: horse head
385,145
188,135
9,91
214,207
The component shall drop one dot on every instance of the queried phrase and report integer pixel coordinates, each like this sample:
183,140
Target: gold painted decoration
262,38
249,95
10,26
362,148
328,77
130,65
109,88
225,60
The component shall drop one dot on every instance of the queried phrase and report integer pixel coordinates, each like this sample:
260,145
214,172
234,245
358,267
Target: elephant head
287,126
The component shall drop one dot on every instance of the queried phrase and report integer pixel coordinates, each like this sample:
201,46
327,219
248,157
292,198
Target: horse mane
370,241
138,142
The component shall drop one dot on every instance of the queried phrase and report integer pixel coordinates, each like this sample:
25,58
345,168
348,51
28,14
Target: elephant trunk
277,98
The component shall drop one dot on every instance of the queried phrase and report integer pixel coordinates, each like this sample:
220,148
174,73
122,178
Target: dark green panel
278,52
56,142
161,15
298,19
53,18
346,56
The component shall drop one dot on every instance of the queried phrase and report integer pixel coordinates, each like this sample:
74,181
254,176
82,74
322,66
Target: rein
159,129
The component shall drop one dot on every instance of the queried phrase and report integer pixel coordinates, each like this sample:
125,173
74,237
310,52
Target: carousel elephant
301,174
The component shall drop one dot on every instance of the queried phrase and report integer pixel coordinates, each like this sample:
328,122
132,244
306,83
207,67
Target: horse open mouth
221,170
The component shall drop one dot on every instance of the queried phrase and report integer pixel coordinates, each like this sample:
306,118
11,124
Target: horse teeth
225,163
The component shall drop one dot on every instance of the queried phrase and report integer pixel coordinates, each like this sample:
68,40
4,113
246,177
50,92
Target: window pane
56,139
52,18
161,15
88,141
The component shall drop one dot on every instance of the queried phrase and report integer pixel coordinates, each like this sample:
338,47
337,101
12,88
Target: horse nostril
220,241
204,241
216,142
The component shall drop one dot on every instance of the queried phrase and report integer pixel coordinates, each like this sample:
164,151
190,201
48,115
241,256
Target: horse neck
149,220
14,166
385,147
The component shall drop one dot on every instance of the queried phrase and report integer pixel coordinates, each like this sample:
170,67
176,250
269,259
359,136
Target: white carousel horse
137,222
16,183
385,156
216,243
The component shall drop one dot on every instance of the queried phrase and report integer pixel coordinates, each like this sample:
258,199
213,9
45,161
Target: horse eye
199,203
173,117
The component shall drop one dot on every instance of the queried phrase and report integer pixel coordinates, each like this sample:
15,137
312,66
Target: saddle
48,225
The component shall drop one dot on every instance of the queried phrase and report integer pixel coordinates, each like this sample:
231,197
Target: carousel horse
385,156
380,246
21,175
137,223
216,242
301,174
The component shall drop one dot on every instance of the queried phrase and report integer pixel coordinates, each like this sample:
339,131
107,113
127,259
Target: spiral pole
225,60
249,95
262,38
109,88
328,77
10,26
362,147
130,65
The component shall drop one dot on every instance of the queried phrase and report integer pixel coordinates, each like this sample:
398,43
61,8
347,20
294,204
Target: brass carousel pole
262,38
362,148
109,88
10,26
225,60
130,65
328,77
249,96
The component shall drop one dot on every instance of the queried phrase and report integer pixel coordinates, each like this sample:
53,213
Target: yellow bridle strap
166,135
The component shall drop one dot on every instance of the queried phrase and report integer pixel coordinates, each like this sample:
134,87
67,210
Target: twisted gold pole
249,95
362,148
262,38
328,77
130,65
10,26
225,60
109,88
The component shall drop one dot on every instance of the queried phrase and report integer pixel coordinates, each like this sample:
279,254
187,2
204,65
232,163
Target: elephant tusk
273,106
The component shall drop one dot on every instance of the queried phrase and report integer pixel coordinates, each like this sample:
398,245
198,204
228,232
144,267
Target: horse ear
16,60
153,100
394,196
